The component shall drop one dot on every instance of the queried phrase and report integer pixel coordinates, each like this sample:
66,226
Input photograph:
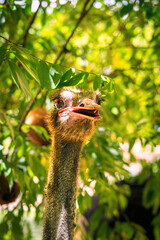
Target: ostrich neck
61,190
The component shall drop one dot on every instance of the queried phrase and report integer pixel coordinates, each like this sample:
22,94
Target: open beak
90,111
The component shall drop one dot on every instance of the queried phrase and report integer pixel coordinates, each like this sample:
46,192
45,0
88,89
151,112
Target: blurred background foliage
110,45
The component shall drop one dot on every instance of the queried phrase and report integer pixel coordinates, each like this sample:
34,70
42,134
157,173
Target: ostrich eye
99,101
59,102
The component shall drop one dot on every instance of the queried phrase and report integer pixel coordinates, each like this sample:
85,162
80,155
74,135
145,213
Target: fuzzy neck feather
61,190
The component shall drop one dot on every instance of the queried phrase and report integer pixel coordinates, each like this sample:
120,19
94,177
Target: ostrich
71,123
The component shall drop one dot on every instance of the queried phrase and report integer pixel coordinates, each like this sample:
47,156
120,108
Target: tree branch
31,21
83,14
28,109
10,41
136,68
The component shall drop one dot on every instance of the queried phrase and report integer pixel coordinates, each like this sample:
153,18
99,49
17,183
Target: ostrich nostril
81,105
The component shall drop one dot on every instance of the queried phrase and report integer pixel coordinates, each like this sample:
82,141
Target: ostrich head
75,113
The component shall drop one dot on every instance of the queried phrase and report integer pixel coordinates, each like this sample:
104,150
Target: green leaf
126,9
22,164
149,193
13,73
107,83
85,76
55,68
23,50
103,230
111,87
141,2
41,132
25,128
3,50
77,79
7,172
19,78
43,74
25,64
55,75
95,219
105,79
66,76
125,230
83,83
84,201
55,80
97,83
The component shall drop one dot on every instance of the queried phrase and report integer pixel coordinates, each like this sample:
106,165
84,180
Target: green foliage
19,78
114,49
49,76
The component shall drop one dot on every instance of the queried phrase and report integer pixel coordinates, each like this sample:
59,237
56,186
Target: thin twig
136,68
32,19
28,109
18,45
83,14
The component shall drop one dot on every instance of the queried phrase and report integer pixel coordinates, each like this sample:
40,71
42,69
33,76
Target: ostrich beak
88,109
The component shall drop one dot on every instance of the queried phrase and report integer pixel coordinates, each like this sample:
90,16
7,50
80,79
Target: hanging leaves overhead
47,75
